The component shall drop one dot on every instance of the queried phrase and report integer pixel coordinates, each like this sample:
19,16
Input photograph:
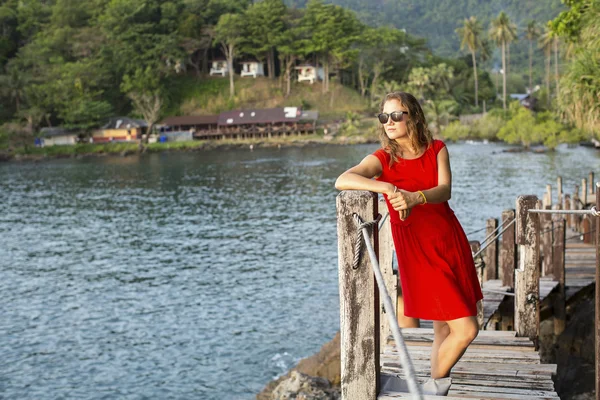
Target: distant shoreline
128,149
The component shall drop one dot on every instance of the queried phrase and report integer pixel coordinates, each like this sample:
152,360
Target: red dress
437,272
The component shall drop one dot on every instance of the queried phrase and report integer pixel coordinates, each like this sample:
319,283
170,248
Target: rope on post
358,243
405,361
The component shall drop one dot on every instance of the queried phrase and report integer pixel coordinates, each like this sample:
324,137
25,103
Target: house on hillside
252,68
190,127
57,136
120,129
526,100
219,67
310,73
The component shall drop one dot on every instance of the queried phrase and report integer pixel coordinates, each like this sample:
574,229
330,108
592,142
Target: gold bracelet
424,198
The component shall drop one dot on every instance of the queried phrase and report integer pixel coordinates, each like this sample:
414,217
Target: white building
309,73
252,68
219,67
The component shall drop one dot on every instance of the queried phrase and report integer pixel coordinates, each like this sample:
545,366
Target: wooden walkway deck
497,365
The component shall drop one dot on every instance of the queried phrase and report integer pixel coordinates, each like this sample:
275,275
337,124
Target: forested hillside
436,20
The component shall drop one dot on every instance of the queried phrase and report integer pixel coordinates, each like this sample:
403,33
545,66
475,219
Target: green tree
292,44
502,32
144,89
229,34
334,29
546,43
580,85
265,25
470,35
532,33
520,128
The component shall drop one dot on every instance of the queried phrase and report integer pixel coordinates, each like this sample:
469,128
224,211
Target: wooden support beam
548,196
359,303
386,255
508,251
584,191
591,186
490,256
558,249
527,276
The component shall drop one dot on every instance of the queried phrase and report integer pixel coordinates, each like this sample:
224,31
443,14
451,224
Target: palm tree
546,42
532,33
470,35
503,32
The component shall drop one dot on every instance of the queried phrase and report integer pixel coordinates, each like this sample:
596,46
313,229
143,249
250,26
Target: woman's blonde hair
416,126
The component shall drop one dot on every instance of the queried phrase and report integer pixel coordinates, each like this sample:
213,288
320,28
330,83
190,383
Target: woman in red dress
437,272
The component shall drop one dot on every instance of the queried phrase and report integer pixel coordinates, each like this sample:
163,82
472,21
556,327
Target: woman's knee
466,332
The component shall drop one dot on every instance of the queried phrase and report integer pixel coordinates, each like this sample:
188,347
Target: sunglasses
396,116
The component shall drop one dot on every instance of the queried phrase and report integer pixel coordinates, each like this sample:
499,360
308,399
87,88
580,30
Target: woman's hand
403,202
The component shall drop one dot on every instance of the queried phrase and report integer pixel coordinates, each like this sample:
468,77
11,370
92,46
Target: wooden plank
359,340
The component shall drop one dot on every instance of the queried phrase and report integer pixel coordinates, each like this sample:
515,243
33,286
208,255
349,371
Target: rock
303,387
325,364
127,152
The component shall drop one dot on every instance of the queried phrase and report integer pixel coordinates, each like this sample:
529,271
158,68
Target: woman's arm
360,177
442,192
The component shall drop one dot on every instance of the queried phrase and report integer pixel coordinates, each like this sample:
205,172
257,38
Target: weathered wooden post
359,301
548,196
386,259
545,240
591,186
567,206
490,256
597,225
559,190
559,245
527,276
479,267
575,205
508,250
584,191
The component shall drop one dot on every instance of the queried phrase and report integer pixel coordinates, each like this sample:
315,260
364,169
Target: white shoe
438,387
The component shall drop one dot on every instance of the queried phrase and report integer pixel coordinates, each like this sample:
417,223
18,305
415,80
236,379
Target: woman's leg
462,332
441,330
403,321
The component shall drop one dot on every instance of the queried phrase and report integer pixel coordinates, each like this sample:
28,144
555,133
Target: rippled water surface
196,275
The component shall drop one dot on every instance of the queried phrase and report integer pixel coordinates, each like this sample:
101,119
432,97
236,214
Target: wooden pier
530,270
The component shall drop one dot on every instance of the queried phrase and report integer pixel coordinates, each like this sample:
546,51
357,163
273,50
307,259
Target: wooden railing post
546,242
508,251
591,186
586,229
548,196
597,226
559,245
527,276
490,255
567,206
584,191
359,301
559,190
575,205
386,255
475,246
